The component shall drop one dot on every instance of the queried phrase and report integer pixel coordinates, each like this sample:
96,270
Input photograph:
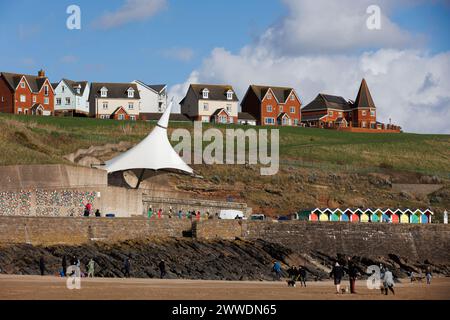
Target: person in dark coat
97,213
127,267
162,269
337,273
302,274
64,265
352,274
42,265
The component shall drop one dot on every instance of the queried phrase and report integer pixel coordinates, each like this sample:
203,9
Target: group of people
190,214
298,274
88,210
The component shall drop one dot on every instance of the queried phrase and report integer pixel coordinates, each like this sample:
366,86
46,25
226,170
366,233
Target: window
105,105
23,98
372,113
269,96
130,93
330,113
205,107
104,116
340,114
269,108
230,95
34,99
363,112
160,107
205,93
296,122
281,108
229,108
45,100
22,84
205,119
121,116
223,119
292,109
292,97
363,124
67,101
58,101
62,89
3,99
133,118
46,90
269,120
104,92
19,110
130,106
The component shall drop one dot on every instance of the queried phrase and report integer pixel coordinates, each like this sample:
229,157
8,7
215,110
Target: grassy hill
317,167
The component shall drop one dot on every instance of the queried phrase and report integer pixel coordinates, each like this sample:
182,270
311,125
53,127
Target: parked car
283,218
258,217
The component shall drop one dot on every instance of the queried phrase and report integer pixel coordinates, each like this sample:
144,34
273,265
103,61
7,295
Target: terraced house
71,97
272,105
335,112
210,103
120,101
26,94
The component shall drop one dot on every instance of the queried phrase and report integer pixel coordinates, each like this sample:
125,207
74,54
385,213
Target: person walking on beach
302,274
352,274
428,274
180,214
198,216
64,265
337,273
162,269
388,282
42,265
91,266
159,213
277,269
170,212
127,267
97,213
150,212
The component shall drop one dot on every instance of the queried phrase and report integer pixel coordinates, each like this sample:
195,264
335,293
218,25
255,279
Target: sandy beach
17,287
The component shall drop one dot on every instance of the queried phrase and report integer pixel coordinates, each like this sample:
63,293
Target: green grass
31,140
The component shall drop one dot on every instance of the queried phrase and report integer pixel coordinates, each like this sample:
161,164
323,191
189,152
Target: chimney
41,74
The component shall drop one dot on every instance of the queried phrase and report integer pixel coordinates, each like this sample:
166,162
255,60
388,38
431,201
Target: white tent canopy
154,153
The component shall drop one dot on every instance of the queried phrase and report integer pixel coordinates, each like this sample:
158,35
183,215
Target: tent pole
140,178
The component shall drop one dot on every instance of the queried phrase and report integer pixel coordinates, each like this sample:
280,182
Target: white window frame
130,93
46,100
229,108
292,97
3,99
103,93
330,113
205,106
67,101
22,84
363,124
121,116
34,98
105,105
269,96
372,113
130,106
364,112
281,108
133,118
205,93
269,108
58,101
23,98
272,121
62,88
292,109
230,95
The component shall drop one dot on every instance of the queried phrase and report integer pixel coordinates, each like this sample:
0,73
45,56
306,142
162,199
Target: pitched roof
282,114
115,90
73,84
157,87
364,99
312,117
156,116
13,80
216,92
118,109
327,101
281,93
245,116
218,111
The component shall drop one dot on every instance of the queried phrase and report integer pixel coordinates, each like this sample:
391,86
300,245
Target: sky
315,46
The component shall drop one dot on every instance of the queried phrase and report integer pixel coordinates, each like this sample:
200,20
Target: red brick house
120,114
335,112
26,94
272,105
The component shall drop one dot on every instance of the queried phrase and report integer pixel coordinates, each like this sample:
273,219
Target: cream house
210,103
120,101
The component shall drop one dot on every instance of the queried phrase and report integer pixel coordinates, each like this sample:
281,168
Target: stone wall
201,205
78,230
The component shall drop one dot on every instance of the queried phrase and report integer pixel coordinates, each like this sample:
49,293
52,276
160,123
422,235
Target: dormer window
103,92
205,93
130,93
229,95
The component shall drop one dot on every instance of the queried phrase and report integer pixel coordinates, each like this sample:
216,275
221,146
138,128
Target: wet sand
17,287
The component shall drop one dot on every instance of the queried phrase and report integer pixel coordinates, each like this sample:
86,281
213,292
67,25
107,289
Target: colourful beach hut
336,215
304,215
325,215
365,215
395,217
376,215
404,216
415,216
346,215
314,216
355,215
386,217
426,216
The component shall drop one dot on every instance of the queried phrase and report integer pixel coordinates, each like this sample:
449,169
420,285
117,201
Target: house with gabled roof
153,97
119,101
210,103
26,94
271,105
71,97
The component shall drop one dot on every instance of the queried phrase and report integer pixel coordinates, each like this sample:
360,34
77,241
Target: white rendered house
71,97
153,97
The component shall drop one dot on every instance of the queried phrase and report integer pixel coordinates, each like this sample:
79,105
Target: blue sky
36,36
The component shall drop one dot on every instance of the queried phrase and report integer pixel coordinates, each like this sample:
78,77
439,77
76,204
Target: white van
231,214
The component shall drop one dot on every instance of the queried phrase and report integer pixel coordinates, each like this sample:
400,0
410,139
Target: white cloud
409,86
180,54
132,10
